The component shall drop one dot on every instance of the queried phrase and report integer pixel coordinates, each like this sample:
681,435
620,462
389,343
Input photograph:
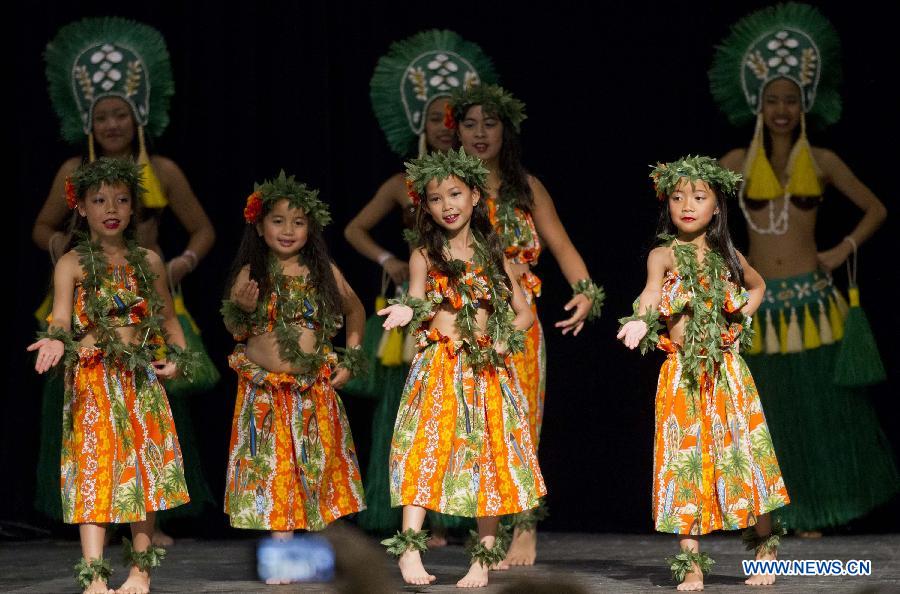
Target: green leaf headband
108,57
666,176
493,99
104,171
791,41
414,73
440,166
284,187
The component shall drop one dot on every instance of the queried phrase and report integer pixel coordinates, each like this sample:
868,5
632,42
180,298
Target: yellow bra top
763,184
154,197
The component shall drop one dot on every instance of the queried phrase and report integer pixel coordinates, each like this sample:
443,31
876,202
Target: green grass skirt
837,463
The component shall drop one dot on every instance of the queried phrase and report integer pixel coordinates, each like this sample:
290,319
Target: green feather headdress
493,99
104,171
108,57
286,187
792,41
440,166
666,176
415,72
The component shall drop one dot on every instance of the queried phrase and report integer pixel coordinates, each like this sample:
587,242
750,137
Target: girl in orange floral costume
292,463
714,465
112,319
487,119
462,444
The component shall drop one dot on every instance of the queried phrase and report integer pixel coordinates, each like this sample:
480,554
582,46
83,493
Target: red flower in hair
449,120
253,208
411,192
71,194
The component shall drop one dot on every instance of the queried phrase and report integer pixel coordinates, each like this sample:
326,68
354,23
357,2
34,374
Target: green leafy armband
422,308
187,361
596,294
70,347
354,360
515,343
409,540
236,318
654,326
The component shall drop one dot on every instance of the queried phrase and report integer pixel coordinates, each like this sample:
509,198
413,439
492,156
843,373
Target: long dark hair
314,255
433,238
718,237
514,186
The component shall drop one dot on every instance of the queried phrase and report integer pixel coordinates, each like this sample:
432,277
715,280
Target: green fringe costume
415,71
811,356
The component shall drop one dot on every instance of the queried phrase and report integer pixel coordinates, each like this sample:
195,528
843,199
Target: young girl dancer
112,319
292,463
714,464
462,444
488,119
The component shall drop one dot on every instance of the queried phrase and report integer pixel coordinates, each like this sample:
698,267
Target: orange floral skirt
530,368
292,463
462,444
120,454
714,466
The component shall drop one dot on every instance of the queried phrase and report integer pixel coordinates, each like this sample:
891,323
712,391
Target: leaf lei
683,563
143,560
499,323
488,557
287,336
654,326
766,544
702,350
408,540
594,293
152,335
508,225
87,571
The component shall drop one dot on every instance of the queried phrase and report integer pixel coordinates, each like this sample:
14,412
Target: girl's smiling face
450,202
113,125
781,106
692,206
284,229
108,210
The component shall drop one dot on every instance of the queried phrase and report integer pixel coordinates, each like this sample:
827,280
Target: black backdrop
268,85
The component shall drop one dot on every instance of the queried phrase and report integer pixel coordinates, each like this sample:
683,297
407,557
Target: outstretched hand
50,351
632,333
582,306
397,315
246,295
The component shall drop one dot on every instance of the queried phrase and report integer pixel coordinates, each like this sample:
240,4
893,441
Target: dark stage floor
598,563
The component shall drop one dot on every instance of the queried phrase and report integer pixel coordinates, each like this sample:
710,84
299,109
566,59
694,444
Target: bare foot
161,539
476,578
693,581
412,569
138,582
522,550
809,533
277,582
762,579
98,586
